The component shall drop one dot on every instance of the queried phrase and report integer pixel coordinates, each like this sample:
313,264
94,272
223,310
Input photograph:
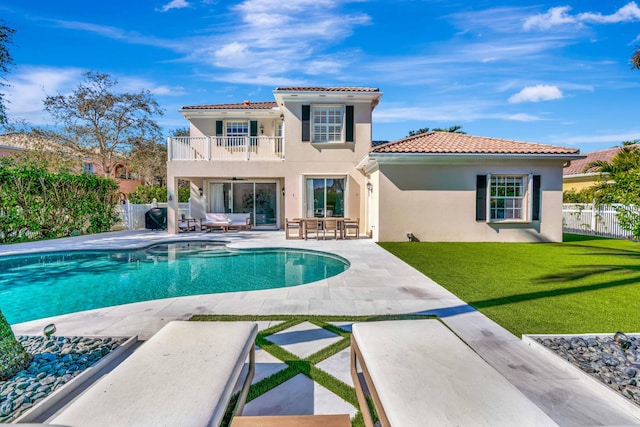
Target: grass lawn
585,284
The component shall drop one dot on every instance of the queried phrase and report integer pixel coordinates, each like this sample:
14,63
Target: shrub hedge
37,204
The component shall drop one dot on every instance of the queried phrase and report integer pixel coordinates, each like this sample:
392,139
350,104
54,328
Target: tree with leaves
635,59
6,61
148,158
102,124
451,129
622,184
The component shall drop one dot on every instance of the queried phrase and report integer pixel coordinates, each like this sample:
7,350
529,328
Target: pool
50,284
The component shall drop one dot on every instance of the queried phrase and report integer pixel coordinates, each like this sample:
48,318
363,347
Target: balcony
222,148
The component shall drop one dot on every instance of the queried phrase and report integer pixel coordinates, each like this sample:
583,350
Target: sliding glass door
257,198
325,197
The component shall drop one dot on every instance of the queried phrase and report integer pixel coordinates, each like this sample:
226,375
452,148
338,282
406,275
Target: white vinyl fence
132,215
599,220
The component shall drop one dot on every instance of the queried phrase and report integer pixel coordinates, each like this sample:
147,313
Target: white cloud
554,16
523,117
536,93
627,13
174,4
30,85
561,16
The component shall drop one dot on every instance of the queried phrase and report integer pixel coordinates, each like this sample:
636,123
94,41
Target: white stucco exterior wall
436,202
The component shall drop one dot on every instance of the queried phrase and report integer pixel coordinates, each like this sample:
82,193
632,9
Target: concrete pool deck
376,283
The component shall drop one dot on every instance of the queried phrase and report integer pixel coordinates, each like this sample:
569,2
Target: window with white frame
507,197
327,123
237,128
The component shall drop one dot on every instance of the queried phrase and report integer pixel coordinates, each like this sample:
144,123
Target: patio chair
183,376
311,225
352,226
187,224
294,225
330,225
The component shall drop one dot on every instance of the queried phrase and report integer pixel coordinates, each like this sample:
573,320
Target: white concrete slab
299,396
338,366
304,339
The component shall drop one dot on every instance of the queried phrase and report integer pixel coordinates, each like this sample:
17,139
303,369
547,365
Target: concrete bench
418,372
183,376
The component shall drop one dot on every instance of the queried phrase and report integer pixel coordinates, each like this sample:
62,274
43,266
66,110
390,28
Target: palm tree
635,59
628,158
451,129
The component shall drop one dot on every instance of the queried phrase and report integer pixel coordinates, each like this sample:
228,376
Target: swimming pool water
44,285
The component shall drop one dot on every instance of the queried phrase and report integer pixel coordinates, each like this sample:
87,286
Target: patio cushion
183,376
421,373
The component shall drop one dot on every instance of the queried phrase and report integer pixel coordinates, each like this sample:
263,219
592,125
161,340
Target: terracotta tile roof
328,89
577,166
246,105
457,143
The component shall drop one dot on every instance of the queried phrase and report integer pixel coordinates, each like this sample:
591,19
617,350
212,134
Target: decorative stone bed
56,361
611,359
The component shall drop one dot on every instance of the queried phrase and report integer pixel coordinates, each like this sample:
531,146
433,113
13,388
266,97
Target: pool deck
376,283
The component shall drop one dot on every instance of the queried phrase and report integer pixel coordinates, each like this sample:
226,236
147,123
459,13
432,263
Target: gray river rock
55,362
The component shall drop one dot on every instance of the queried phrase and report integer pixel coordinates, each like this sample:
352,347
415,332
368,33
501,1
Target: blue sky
550,72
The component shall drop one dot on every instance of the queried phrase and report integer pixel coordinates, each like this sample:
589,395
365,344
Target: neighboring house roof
25,141
457,143
577,166
246,105
327,89
376,143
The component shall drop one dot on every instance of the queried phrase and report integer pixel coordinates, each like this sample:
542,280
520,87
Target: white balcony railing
241,148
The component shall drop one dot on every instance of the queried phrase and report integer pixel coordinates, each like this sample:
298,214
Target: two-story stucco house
309,153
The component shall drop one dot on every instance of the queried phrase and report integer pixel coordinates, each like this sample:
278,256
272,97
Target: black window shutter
349,123
219,131
306,122
481,197
253,132
535,211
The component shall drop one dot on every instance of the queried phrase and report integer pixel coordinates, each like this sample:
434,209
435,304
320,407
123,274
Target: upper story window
327,123
238,128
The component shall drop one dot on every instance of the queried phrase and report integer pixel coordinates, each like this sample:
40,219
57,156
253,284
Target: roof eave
232,112
465,157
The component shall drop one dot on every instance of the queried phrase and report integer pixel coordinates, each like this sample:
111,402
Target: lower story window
507,197
325,197
87,168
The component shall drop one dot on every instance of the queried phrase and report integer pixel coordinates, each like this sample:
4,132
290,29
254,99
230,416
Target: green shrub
37,204
13,357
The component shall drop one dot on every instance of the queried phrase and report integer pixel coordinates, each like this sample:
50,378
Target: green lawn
585,284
